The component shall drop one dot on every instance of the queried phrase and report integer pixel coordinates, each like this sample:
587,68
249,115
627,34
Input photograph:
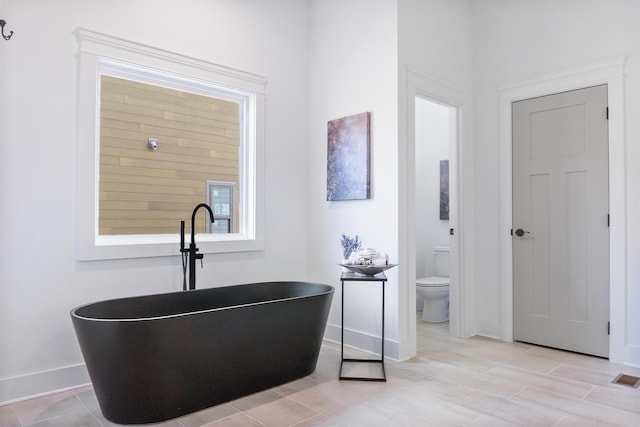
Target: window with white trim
171,171
221,196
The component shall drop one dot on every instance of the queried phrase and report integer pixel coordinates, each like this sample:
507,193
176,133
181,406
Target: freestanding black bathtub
156,357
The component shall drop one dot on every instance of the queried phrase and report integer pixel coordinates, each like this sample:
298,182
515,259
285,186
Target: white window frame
102,54
219,184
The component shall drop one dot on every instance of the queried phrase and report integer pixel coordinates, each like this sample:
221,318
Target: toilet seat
432,282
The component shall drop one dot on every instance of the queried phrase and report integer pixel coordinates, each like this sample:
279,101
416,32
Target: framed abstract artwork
444,189
348,158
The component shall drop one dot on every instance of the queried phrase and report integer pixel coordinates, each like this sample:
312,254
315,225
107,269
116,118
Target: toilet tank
441,254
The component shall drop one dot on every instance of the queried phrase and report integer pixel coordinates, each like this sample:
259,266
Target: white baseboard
362,341
490,329
25,387
633,356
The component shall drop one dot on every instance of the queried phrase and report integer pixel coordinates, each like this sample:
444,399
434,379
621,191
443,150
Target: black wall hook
2,24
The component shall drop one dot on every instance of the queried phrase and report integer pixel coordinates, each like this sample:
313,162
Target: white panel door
560,221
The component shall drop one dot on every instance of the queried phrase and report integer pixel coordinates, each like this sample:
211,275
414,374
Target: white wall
435,37
360,51
432,145
353,48
519,40
40,280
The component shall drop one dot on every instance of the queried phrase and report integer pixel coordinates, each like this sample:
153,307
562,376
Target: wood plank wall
143,191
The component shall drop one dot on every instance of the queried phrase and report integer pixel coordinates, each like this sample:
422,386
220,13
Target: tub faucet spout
193,250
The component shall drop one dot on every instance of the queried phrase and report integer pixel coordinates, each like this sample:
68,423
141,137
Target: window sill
147,246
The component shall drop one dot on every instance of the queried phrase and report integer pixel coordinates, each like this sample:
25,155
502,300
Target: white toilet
432,293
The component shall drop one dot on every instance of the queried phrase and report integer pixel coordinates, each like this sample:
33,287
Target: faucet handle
199,256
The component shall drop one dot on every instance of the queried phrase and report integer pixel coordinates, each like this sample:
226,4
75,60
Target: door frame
610,73
425,86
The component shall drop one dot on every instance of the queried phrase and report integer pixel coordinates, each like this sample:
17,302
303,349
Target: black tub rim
328,290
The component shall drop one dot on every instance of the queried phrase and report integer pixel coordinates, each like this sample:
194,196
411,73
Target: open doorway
435,140
459,102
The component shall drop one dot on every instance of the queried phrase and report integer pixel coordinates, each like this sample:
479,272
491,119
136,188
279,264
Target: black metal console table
353,277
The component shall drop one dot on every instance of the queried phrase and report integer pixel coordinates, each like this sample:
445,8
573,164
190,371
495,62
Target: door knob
520,232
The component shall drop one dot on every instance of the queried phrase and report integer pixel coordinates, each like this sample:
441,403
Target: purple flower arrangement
349,245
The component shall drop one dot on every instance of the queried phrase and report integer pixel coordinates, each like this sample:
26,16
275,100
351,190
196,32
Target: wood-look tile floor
452,382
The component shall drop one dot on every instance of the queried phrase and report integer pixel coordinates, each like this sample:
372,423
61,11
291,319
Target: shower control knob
520,232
